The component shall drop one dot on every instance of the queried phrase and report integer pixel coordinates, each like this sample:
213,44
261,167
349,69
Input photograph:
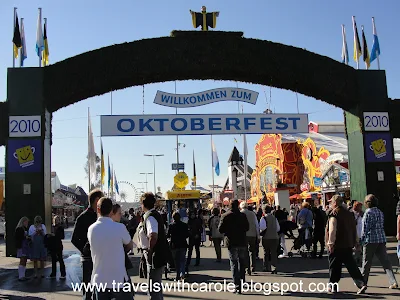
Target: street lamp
142,183
146,179
154,168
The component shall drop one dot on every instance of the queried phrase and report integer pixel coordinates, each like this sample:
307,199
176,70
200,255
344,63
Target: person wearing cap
341,238
373,239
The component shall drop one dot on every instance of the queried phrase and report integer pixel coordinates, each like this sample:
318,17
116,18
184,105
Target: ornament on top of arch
204,19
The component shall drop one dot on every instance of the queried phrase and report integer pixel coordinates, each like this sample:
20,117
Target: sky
77,26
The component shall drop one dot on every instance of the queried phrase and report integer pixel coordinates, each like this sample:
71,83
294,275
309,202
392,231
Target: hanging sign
181,180
145,125
206,97
177,167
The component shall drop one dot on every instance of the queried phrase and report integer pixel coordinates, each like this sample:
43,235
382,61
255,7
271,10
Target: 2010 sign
376,121
25,126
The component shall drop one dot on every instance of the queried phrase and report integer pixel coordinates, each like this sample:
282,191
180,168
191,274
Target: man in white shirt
108,240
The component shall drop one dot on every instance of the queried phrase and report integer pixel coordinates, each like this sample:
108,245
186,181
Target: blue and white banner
207,97
145,125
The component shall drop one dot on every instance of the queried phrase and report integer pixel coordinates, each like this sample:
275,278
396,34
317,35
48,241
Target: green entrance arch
192,55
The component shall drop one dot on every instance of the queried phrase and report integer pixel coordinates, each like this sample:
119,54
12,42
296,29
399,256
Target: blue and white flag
39,35
215,161
24,54
376,50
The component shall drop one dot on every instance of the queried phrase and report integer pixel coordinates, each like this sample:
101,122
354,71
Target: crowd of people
349,235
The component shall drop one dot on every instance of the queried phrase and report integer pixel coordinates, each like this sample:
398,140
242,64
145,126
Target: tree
97,183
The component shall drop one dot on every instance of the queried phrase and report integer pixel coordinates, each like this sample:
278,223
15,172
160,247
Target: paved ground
292,271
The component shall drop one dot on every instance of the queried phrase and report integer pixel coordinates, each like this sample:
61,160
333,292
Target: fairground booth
311,166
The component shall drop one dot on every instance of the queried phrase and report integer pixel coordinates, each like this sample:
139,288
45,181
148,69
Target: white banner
206,97
144,125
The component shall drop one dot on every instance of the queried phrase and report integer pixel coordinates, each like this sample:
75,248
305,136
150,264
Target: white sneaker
282,255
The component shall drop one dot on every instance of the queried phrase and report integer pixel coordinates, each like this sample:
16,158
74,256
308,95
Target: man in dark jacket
178,232
319,229
195,229
341,237
234,225
80,241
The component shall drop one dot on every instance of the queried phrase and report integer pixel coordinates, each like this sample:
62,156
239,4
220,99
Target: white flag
39,35
91,153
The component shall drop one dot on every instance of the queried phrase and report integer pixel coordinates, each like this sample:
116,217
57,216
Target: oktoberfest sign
146,125
210,96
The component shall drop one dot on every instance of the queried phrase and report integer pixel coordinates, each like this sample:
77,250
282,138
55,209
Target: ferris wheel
128,192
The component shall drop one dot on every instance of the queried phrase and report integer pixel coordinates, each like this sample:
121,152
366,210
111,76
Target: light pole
143,182
154,169
146,179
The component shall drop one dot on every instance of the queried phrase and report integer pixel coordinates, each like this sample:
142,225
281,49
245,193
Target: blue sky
77,26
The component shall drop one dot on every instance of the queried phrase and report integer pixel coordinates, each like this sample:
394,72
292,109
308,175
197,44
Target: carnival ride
129,193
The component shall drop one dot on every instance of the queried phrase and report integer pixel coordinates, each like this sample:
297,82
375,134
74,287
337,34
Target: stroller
170,267
302,243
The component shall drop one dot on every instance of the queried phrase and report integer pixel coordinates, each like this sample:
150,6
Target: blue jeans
180,261
237,259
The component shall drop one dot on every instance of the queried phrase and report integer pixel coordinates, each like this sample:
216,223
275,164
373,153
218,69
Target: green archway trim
198,55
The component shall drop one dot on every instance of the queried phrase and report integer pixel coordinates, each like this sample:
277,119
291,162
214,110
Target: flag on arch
376,50
17,37
45,56
215,161
345,51
24,54
365,49
357,46
39,35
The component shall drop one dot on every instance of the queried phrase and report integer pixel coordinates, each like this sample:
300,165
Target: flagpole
40,51
88,149
177,140
212,169
245,167
15,17
45,25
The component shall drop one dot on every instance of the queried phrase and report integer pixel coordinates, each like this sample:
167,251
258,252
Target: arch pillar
366,170
28,183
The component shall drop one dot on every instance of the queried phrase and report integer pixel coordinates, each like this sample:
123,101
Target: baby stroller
170,267
302,243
